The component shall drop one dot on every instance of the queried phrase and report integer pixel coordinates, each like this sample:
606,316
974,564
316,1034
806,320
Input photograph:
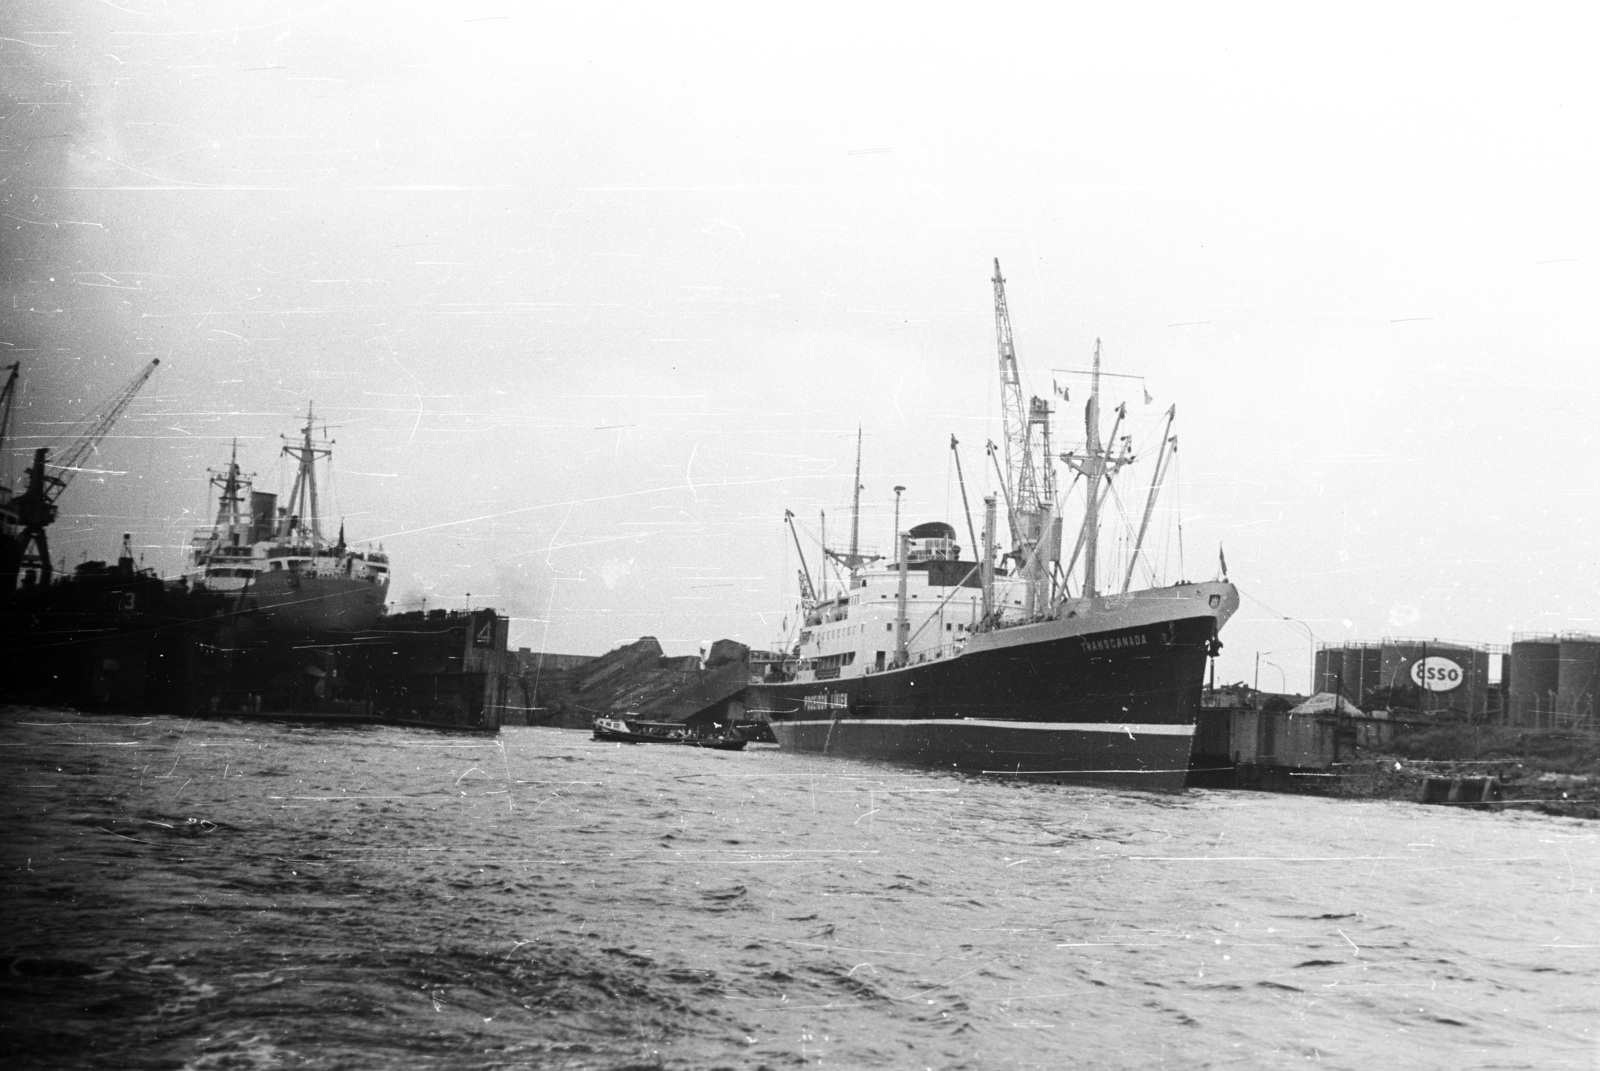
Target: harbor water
227,894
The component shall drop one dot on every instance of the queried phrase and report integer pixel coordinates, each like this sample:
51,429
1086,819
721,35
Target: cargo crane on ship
1029,478
35,509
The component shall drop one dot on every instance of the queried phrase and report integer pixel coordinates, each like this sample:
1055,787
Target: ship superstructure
275,559
1008,661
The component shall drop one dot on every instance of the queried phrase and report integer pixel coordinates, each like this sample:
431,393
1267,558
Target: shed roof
1327,703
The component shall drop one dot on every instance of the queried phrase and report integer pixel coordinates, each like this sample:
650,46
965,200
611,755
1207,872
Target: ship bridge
933,542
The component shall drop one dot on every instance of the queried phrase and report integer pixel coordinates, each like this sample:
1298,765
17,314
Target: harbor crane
35,509
1029,477
10,549
7,393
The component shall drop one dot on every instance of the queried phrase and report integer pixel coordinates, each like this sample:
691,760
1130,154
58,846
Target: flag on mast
1222,560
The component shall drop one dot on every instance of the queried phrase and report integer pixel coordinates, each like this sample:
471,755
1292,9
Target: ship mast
302,515
228,502
1097,465
230,513
1169,446
855,510
822,566
854,559
1096,473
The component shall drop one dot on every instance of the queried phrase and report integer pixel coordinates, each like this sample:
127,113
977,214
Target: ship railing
944,650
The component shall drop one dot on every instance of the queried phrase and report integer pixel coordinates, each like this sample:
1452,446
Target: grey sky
591,297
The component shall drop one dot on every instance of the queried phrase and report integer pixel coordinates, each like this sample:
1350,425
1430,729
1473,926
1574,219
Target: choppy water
229,895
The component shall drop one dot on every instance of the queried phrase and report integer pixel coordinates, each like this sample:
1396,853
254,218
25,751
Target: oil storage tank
1577,676
1450,677
1535,680
1330,670
1352,669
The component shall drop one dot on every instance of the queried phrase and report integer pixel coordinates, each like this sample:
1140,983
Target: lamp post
1258,667
1283,682
1311,654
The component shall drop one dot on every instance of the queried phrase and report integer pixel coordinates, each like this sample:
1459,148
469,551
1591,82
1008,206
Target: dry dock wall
434,669
129,642
637,678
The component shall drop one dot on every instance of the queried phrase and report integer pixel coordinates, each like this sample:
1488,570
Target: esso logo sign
1436,674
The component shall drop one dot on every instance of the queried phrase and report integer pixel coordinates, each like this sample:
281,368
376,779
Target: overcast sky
591,295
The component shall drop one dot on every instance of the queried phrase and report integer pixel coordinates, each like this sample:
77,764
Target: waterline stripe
1074,773
1130,728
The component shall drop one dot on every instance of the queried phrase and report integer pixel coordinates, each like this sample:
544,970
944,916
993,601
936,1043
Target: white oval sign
1437,674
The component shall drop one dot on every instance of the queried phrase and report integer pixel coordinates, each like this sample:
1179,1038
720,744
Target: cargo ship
274,561
1009,663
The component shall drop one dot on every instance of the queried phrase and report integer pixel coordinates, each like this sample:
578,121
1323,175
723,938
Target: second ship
274,560
992,665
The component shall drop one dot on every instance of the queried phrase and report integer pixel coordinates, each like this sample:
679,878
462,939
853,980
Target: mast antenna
854,559
855,510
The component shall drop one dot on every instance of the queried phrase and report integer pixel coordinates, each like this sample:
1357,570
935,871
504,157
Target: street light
1258,667
1311,655
1283,682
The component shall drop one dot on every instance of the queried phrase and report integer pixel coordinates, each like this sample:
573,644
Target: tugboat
995,665
275,561
626,730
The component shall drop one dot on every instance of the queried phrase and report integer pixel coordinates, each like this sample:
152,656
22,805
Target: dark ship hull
292,602
1052,701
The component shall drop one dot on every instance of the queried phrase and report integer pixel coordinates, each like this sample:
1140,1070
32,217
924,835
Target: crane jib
36,506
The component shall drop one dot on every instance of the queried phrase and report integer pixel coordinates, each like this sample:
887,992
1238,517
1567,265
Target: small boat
626,730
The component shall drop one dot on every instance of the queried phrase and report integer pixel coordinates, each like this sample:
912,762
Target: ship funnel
263,516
